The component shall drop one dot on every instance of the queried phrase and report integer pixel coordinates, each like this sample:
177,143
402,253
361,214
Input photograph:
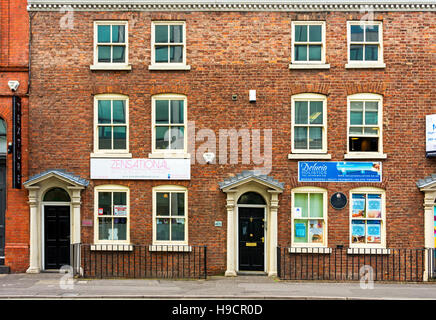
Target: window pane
118,33
300,33
358,231
176,34
371,131
104,228
371,33
163,229
119,115
176,54
120,198
356,112
315,33
162,137
177,229
161,34
3,144
105,137
371,117
301,112
315,138
371,52
120,137
316,112
364,144
162,204
356,33
300,138
177,138
104,34
120,229
177,204
356,130
300,230
374,206
316,205
104,53
105,203
177,111
316,231
104,111
315,53
119,54
161,53
300,201
162,111
300,53
2,127
356,52
373,231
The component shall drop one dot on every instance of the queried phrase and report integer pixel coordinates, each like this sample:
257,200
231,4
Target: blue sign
313,171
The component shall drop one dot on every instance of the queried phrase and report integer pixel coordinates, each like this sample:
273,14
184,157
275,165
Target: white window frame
365,64
366,154
170,153
107,153
309,97
111,188
169,65
169,189
368,190
325,217
110,65
309,64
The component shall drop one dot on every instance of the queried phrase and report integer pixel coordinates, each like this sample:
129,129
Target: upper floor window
309,123
110,45
365,44
168,43
365,124
111,130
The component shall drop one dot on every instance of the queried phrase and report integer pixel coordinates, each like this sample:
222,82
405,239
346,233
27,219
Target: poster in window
374,233
297,212
358,208
300,230
120,210
358,232
100,211
316,231
113,233
374,207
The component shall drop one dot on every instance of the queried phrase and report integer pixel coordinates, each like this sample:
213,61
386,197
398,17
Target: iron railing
345,264
139,261
431,263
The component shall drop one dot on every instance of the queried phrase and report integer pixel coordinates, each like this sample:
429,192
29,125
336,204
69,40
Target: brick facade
231,53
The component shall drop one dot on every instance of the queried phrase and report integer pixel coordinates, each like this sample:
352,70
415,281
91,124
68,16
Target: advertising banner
430,133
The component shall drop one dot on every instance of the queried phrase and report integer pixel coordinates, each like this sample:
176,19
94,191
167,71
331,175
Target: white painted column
34,263
231,267
75,214
273,229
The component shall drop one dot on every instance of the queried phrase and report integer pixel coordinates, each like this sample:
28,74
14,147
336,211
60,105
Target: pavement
58,286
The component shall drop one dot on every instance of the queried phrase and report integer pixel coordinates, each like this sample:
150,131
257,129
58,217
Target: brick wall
231,53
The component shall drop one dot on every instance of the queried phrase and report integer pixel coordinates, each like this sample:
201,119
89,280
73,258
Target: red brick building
14,73
289,103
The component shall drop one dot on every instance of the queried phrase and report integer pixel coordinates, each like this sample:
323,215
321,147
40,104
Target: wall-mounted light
10,149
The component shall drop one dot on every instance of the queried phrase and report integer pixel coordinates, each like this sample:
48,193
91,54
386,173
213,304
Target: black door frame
52,204
264,206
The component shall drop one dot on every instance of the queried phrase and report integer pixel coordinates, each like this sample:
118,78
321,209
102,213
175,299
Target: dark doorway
251,239
57,236
2,209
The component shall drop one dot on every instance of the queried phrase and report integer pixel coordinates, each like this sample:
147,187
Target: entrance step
251,273
4,270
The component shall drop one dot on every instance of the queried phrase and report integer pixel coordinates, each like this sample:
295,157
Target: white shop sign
141,169
430,133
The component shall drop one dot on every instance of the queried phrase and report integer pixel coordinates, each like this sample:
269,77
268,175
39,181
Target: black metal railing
431,263
140,261
351,264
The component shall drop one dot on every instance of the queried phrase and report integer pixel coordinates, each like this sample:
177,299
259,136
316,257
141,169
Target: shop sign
430,135
331,171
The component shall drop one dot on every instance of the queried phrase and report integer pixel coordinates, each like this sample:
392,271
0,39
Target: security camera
208,157
13,85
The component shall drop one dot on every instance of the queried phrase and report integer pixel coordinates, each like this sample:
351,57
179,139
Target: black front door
251,239
57,236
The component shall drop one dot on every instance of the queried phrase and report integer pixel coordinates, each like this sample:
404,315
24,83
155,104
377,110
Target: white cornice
231,5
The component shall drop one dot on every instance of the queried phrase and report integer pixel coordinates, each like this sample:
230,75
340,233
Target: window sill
309,156
111,247
167,67
310,250
358,155
126,67
309,66
169,248
368,251
376,65
111,155
169,156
